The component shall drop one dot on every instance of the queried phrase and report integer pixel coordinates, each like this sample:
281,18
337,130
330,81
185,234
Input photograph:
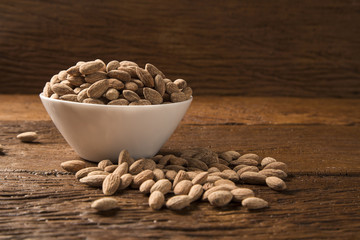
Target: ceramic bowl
98,132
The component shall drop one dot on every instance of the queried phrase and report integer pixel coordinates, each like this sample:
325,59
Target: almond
124,156
188,92
162,185
244,161
247,169
126,181
121,169
114,83
267,160
250,156
74,71
62,89
69,97
137,166
201,178
47,90
253,178
240,194
98,173
105,204
153,70
75,81
93,101
73,165
112,65
104,163
146,186
181,175
183,187
158,174
218,188
119,74
90,67
160,85
142,177
97,89
231,175
111,184
82,95
119,102
110,168
274,173
145,77
220,198
27,136
85,171
131,96
112,94
178,202
275,183
93,180
127,63
254,203
156,200
196,192
152,95
276,165
171,174
224,182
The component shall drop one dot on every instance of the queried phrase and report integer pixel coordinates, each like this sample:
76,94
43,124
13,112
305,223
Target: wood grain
49,207
250,48
210,110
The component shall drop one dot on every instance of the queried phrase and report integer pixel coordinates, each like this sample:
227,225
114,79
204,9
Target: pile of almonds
193,175
116,83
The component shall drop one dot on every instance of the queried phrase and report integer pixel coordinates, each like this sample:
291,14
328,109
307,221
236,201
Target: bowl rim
114,106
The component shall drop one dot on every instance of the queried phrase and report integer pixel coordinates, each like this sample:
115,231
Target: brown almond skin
220,198
156,200
126,181
240,194
178,202
96,76
119,74
122,169
274,173
119,102
218,188
104,163
146,186
183,187
124,156
97,89
74,71
196,192
180,83
153,70
61,89
145,77
111,184
276,183
276,165
253,178
181,175
253,203
201,178
110,168
267,160
69,97
93,180
152,95
112,65
47,92
85,171
93,101
73,165
27,136
137,166
162,185
131,96
105,204
142,177
91,67
160,85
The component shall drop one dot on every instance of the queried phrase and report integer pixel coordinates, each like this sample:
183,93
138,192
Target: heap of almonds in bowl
177,181
116,83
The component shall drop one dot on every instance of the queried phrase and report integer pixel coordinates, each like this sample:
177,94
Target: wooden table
319,139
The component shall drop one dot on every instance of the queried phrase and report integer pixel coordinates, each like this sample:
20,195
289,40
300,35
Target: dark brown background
253,48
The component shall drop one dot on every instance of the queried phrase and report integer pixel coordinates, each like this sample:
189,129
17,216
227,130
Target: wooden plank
249,48
40,206
314,149
223,110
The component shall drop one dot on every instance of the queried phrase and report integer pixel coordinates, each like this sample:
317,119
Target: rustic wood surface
38,200
253,48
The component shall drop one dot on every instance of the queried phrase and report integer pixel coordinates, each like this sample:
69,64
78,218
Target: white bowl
98,132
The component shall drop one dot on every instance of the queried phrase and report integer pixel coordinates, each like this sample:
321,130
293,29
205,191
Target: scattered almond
105,204
73,165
